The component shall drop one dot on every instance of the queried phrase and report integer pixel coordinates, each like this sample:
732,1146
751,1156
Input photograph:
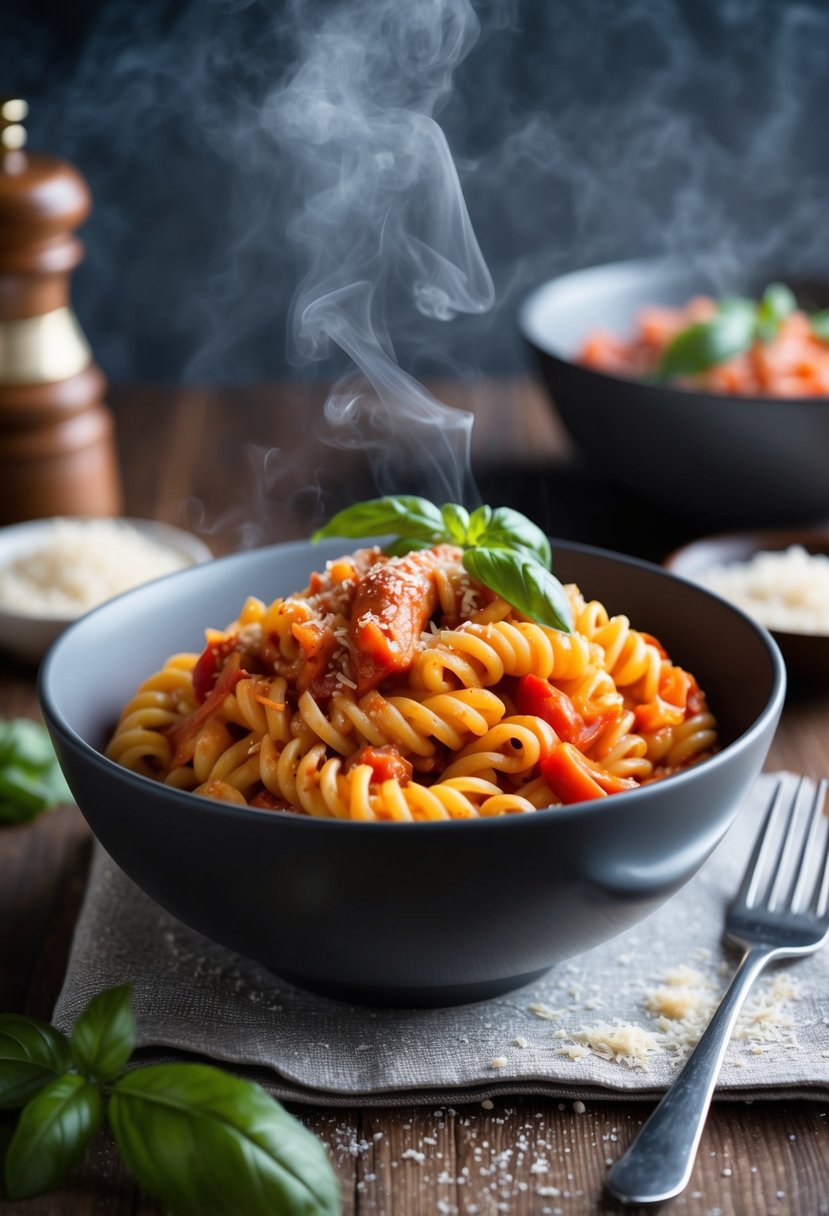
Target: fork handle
658,1164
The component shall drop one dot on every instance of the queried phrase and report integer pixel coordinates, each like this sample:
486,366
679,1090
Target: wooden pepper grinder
57,448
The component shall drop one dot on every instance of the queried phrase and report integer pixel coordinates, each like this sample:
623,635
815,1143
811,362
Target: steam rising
582,133
384,213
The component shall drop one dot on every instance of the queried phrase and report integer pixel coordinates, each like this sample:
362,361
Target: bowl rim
531,334
171,536
773,540
193,803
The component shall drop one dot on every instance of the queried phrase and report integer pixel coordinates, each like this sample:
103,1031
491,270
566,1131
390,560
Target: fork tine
803,873
747,892
820,897
785,848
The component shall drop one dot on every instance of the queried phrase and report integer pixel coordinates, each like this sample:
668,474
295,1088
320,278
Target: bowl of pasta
419,777
700,391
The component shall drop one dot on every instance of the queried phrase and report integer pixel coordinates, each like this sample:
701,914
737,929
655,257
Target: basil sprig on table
735,327
200,1140
501,547
30,779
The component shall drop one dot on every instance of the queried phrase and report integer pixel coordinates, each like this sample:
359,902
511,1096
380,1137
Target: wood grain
249,464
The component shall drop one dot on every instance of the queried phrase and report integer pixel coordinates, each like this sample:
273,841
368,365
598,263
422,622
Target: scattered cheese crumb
487,1104
579,1108
498,1062
623,1044
519,1042
540,1010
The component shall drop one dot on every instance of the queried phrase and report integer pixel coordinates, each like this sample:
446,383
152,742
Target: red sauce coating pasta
400,689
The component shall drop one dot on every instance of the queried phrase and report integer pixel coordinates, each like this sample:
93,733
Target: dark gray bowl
421,913
754,461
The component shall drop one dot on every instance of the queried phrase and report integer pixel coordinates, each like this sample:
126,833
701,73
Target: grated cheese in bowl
785,590
54,570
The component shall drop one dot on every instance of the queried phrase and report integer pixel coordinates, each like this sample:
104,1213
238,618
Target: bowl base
421,997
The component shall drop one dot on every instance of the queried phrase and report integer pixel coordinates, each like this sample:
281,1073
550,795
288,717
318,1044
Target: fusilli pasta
400,689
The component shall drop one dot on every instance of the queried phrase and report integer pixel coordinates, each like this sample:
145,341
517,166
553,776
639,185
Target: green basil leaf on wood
524,583
104,1035
32,1054
30,778
54,1132
206,1143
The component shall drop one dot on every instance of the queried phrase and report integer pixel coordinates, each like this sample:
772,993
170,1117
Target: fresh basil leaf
54,1132
709,343
522,582
403,515
455,522
404,545
776,304
207,1143
13,812
819,322
478,524
104,1035
32,1054
23,788
30,777
736,304
509,529
6,1133
26,742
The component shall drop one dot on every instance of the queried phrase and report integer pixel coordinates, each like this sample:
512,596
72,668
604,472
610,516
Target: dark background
582,132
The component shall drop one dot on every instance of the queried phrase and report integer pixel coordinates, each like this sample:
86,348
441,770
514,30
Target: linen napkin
616,1021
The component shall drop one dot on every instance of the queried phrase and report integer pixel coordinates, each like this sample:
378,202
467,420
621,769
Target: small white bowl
806,654
27,636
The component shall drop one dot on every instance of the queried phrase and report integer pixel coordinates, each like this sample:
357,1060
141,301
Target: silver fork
780,911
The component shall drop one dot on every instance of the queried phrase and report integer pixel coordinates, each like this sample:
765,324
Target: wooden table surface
243,467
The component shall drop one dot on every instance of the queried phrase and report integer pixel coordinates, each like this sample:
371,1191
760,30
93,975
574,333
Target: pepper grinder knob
57,444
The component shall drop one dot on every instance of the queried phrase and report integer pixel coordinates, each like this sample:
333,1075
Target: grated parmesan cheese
786,590
540,1010
686,996
79,564
623,1044
680,1008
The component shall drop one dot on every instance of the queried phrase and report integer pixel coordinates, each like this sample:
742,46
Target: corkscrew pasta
401,689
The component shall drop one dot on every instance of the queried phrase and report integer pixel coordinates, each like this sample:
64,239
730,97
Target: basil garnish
198,1139
776,304
502,548
735,327
404,515
819,322
524,583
